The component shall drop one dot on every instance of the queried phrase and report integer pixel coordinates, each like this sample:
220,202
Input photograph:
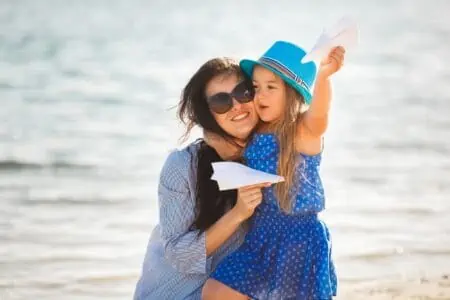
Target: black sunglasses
220,103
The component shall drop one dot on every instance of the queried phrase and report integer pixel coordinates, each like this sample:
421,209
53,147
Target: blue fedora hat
284,59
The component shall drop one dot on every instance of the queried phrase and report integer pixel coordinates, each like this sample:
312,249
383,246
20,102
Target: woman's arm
218,233
186,249
249,197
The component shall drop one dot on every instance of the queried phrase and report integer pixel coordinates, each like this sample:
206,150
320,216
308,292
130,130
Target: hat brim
248,65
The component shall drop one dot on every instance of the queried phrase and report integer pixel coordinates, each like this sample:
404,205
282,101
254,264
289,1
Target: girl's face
241,118
270,95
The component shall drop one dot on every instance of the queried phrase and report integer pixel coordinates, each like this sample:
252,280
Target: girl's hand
249,197
332,63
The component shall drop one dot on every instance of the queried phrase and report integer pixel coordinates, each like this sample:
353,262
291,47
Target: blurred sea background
86,89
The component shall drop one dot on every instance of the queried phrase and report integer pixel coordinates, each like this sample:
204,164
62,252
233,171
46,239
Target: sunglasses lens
220,103
244,92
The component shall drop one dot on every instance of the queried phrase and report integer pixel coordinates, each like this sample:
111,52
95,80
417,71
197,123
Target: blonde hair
286,130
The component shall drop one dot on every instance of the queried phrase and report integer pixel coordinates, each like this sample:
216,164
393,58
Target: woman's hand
249,197
332,63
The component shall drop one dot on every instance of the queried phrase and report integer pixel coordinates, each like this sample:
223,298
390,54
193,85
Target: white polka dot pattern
284,256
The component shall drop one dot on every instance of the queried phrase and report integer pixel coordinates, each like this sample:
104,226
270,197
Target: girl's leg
215,290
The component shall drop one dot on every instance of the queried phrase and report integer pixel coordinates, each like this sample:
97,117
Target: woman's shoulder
180,161
183,155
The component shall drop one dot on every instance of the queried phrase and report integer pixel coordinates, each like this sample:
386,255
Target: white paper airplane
232,175
344,33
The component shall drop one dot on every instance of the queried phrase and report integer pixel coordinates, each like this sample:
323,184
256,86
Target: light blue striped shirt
175,265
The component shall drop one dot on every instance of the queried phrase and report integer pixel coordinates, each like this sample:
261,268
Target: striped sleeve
184,248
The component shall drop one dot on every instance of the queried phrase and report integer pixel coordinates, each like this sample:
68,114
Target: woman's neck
227,150
240,142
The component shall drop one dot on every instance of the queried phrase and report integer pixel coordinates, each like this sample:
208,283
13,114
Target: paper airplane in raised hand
232,175
344,33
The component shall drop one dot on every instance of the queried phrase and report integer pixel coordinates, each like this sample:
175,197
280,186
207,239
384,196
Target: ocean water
86,90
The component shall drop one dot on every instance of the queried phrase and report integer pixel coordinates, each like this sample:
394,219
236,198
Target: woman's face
241,119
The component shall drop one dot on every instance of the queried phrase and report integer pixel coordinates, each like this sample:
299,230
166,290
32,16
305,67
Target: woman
198,224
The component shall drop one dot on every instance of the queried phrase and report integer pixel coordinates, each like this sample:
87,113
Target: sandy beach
433,288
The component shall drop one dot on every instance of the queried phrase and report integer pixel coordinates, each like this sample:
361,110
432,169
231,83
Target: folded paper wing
344,33
232,175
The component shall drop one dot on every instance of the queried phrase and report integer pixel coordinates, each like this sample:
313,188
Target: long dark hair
193,110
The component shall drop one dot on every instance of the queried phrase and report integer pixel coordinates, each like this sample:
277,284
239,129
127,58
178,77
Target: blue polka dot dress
284,256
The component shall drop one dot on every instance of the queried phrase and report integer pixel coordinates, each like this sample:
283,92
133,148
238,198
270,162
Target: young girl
287,252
